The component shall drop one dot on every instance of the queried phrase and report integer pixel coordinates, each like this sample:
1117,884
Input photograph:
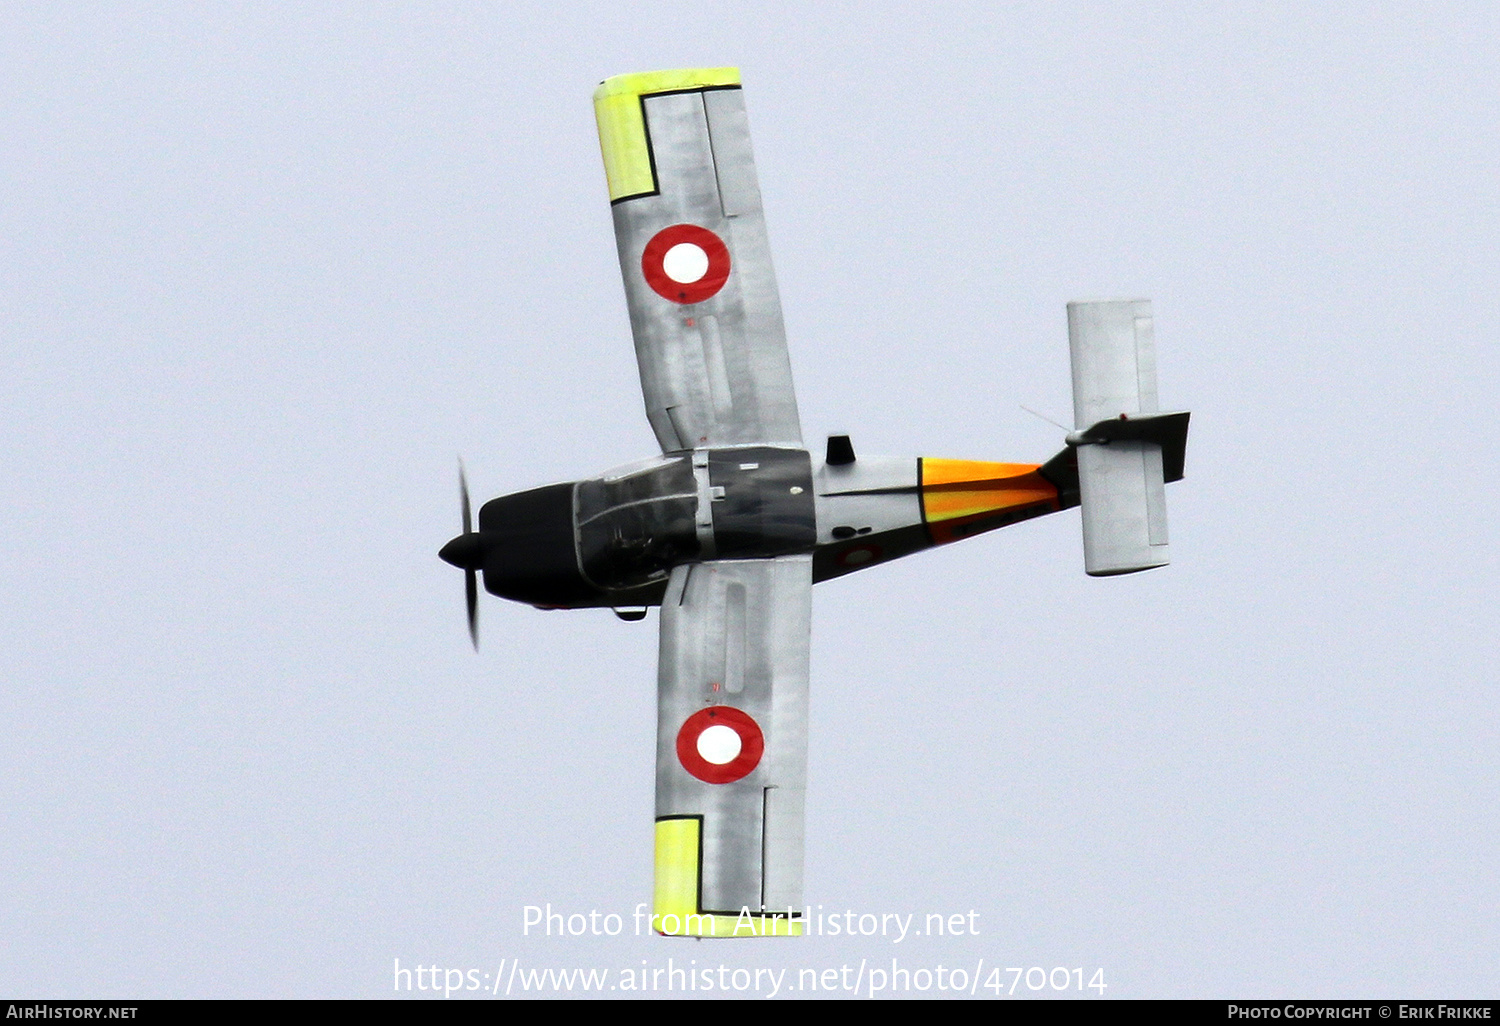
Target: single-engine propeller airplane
729,528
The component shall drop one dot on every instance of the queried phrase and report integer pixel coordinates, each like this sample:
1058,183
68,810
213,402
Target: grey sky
265,270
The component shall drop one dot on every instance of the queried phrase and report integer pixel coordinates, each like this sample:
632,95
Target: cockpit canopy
637,522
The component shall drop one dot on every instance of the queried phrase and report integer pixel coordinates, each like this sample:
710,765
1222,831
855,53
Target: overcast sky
267,270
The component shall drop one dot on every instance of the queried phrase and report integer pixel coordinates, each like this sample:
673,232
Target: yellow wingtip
675,911
642,83
622,132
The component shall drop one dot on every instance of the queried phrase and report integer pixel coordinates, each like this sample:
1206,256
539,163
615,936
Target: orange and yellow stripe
964,497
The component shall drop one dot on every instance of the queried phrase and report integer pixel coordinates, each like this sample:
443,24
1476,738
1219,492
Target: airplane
728,529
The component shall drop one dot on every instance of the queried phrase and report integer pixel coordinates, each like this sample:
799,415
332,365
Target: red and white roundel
685,263
720,744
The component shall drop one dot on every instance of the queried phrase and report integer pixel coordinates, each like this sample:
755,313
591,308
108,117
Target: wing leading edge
704,309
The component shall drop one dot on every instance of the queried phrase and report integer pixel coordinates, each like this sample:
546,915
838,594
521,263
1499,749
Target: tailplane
1125,449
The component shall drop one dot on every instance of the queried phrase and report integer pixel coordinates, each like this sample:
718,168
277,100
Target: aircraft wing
696,262
731,758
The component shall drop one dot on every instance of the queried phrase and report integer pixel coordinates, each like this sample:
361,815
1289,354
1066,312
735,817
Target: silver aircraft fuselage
613,540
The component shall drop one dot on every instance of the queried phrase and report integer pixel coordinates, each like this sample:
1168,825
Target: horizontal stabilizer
1122,442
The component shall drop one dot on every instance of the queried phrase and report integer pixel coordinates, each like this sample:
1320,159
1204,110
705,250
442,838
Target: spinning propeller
467,553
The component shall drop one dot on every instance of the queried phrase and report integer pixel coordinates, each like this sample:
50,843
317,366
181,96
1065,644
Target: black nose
465,552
